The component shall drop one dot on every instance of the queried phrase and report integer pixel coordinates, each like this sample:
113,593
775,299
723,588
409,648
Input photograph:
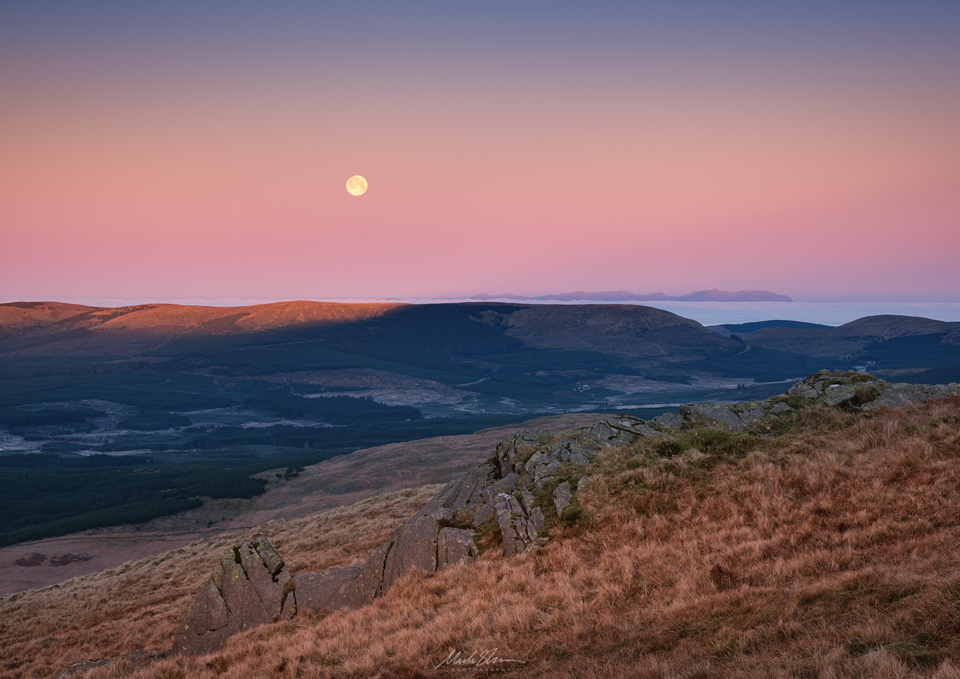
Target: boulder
414,546
251,587
329,590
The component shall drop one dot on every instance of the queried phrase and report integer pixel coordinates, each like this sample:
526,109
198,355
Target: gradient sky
199,150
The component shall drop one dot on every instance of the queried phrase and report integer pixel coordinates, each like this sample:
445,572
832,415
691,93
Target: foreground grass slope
828,546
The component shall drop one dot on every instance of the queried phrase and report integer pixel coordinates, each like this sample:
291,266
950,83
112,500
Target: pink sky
148,174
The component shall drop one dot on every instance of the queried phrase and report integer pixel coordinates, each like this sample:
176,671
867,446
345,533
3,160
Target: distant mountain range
625,296
158,361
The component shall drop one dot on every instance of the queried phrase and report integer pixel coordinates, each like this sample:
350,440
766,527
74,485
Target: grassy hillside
825,546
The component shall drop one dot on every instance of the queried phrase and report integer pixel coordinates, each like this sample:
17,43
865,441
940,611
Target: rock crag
251,587
528,486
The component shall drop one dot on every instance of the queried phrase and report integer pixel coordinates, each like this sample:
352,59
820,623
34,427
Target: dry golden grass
140,604
829,550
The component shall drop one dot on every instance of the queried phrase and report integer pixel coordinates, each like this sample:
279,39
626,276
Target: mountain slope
856,337
825,546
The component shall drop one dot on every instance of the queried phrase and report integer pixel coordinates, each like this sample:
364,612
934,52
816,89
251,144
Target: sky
181,150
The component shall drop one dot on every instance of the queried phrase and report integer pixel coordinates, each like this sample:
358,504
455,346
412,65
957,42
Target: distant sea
707,313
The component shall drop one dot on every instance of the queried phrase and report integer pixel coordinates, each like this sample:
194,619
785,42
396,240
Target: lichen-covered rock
804,389
669,420
899,394
519,528
835,394
455,545
562,495
485,513
414,546
369,585
251,587
718,415
330,589
514,451
466,492
507,484
620,430
777,408
544,464
750,411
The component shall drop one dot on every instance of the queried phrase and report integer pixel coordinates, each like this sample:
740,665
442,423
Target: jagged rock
899,394
513,452
134,659
370,583
804,389
455,545
751,411
583,483
543,467
251,587
330,589
716,415
621,430
485,513
506,485
632,425
519,529
414,545
835,394
467,492
544,464
669,420
777,408
562,495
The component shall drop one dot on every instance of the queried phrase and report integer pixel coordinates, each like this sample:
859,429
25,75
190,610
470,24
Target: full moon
356,185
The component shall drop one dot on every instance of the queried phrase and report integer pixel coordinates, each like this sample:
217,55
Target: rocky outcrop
851,391
520,521
330,589
530,483
251,587
865,392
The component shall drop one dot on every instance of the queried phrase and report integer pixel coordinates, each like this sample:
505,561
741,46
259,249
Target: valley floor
340,481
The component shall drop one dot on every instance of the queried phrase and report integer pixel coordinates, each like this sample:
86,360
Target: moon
356,185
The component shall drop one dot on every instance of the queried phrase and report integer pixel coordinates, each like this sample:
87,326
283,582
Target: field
825,547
